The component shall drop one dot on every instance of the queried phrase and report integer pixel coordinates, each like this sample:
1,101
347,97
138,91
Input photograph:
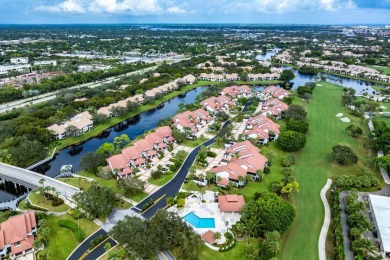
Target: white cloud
134,7
212,7
285,6
176,10
69,6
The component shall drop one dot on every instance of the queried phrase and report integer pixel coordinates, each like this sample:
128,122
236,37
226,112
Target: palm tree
217,236
202,192
259,175
42,189
241,181
192,186
192,169
107,247
216,190
248,178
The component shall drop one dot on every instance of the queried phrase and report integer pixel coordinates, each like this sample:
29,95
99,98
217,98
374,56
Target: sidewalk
325,226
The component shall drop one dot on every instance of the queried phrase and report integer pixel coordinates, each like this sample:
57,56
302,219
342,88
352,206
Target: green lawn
103,182
22,205
194,143
314,165
62,240
162,180
138,197
80,183
237,253
38,200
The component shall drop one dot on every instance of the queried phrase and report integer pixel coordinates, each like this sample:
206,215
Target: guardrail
43,161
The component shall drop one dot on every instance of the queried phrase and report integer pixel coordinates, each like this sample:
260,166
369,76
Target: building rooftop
381,209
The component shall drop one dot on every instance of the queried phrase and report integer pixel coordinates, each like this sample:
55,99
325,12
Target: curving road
171,188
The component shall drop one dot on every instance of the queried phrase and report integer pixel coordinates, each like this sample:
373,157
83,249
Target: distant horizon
305,12
201,23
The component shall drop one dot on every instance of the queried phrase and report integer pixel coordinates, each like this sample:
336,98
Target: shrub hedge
79,234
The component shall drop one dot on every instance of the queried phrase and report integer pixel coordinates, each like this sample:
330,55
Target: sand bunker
339,115
345,119
319,85
383,107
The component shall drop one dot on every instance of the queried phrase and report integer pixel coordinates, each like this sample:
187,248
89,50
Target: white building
380,206
45,62
19,60
15,68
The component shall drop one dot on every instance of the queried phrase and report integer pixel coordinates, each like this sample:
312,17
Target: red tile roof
16,229
117,162
209,237
231,203
276,91
223,181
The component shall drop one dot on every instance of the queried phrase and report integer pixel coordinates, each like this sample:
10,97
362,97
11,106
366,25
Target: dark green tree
344,155
96,201
291,141
269,213
91,161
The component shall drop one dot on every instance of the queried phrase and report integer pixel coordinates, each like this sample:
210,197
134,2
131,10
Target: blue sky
195,11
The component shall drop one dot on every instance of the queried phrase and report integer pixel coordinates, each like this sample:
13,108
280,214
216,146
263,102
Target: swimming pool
198,222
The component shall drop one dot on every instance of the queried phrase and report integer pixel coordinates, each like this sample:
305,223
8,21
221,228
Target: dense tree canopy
297,125
296,112
91,161
344,155
96,201
131,185
165,231
291,141
287,75
267,214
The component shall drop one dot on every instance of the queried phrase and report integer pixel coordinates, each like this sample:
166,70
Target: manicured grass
106,183
162,180
236,253
138,197
22,205
194,143
80,183
315,164
62,240
38,200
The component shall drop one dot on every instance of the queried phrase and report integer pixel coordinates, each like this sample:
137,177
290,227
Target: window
17,244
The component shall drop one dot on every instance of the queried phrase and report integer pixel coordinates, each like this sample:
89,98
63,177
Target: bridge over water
30,179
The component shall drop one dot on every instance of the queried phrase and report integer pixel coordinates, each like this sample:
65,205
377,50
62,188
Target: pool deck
210,209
